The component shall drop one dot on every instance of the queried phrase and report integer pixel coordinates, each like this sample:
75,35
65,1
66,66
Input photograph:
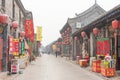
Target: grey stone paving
49,67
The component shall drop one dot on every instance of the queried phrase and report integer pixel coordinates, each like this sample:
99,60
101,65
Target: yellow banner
39,34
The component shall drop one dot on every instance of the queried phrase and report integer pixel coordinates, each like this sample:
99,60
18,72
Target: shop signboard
14,66
22,47
11,45
16,47
39,34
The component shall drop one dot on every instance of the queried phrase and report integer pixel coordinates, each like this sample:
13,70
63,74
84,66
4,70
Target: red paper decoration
83,34
95,31
115,24
15,24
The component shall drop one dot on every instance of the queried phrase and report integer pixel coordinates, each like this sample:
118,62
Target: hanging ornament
83,34
75,38
15,24
95,31
115,24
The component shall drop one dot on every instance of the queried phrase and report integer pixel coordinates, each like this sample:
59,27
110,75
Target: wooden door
1,52
118,53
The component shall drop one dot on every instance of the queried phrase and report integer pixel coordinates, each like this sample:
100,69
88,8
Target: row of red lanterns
83,33
115,25
65,32
4,18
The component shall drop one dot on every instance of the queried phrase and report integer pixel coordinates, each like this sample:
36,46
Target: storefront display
96,65
108,67
14,66
83,63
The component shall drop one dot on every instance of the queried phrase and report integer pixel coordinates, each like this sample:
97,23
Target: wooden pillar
115,37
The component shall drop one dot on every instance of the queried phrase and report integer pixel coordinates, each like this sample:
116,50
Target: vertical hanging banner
22,47
39,34
11,44
29,29
16,47
103,46
106,46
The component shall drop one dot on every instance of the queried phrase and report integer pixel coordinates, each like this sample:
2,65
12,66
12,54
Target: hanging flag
29,29
39,34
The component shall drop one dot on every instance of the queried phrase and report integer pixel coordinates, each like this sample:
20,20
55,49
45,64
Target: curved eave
19,3
87,11
64,27
101,21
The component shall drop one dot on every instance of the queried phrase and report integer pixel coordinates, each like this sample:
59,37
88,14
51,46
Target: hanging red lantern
22,33
4,18
75,38
83,34
15,24
68,29
65,32
95,31
62,34
115,24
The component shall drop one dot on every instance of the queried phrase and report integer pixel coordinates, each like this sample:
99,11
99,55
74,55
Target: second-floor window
3,5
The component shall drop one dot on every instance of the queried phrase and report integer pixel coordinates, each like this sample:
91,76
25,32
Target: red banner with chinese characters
16,47
1,47
29,29
106,47
11,45
103,46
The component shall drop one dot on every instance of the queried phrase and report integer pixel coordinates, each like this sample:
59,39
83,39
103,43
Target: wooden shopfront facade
107,36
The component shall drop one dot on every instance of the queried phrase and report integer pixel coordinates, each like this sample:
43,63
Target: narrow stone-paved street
48,67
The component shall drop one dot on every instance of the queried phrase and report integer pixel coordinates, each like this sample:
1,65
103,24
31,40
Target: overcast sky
53,14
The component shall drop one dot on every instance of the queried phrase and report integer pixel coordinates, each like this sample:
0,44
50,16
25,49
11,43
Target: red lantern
62,34
83,34
4,18
15,24
95,31
22,33
115,24
75,38
65,32
68,29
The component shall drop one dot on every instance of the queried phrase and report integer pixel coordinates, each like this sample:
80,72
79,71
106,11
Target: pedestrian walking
56,53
